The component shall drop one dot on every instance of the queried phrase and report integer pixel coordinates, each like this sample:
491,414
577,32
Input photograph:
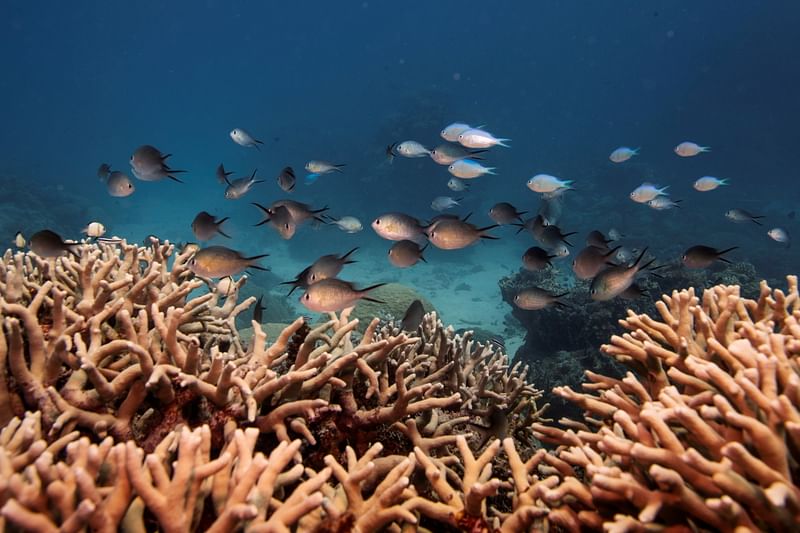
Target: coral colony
130,402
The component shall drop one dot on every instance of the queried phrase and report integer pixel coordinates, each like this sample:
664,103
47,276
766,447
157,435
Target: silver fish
242,138
239,187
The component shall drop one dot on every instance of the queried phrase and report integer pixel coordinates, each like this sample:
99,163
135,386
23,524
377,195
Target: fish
94,229
558,193
689,149
47,243
590,261
281,219
328,266
451,132
149,164
333,295
411,149
323,167
534,225
535,259
469,169
441,203
646,192
622,154
597,239
545,183
205,226
478,138
412,319
740,215
776,234
119,185
552,236
222,176
505,213
497,342
662,203
103,171
624,255
219,262
446,154
614,280
457,185
633,292
239,187
286,179
258,310
398,227
709,183
348,224
534,298
242,138
405,253
701,256
19,240
299,211
560,250
454,234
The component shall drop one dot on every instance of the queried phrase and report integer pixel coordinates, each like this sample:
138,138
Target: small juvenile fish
709,183
614,234
505,213
545,183
323,167
454,234
389,151
239,187
219,262
119,185
646,192
397,227
405,253
624,255
19,240
456,185
740,215
242,138
776,234
550,210
48,243
614,280
534,298
441,203
332,295
445,154
689,149
222,176
536,258
661,203
286,179
205,226
348,224
103,171
622,154
258,310
468,169
412,317
702,256
411,149
478,138
451,132
328,266
94,229
560,250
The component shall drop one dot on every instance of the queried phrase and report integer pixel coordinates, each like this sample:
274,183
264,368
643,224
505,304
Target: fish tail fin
338,167
726,250
264,209
502,142
705,148
724,181
259,267
644,266
639,259
257,141
256,258
317,211
345,256
371,288
491,170
520,226
636,150
756,222
173,178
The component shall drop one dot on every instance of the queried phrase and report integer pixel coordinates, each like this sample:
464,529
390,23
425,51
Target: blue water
86,83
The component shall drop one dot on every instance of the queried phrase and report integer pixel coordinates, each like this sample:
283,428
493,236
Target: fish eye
378,221
594,291
306,296
286,226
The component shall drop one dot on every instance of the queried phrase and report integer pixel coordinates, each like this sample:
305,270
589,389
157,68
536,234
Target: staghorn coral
702,433
135,397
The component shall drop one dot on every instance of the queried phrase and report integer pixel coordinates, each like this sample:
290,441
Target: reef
130,402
